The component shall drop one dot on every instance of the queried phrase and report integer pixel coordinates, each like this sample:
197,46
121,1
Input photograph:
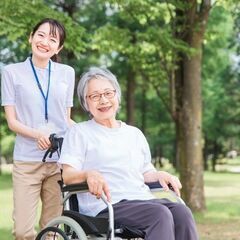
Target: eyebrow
103,90
39,31
50,34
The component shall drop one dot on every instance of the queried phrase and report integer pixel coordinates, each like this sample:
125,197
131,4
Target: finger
40,146
164,185
46,143
99,191
175,186
178,183
107,192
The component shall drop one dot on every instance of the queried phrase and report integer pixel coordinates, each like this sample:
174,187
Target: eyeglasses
95,97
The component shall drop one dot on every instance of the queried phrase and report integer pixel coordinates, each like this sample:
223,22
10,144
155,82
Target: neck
110,123
41,63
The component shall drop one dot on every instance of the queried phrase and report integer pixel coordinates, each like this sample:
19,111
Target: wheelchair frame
75,229
71,226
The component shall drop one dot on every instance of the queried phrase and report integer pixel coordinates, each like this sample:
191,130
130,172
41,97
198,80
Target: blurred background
178,65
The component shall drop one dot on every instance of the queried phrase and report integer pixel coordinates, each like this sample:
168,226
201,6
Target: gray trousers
158,219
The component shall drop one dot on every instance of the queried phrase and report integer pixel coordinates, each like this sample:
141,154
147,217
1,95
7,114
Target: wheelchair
73,225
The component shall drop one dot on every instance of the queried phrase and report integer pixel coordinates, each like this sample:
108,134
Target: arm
19,128
96,183
70,121
164,179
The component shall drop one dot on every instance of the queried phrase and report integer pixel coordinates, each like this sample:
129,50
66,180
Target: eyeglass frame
99,95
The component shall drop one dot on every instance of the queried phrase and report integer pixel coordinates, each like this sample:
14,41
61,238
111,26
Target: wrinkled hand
97,184
43,142
166,178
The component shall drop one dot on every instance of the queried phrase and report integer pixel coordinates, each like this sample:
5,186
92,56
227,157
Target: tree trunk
190,127
189,103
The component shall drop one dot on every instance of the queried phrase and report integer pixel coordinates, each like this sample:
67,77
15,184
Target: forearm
24,130
95,180
70,121
18,127
151,176
71,175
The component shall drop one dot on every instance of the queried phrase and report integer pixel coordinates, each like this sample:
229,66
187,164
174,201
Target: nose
44,41
103,99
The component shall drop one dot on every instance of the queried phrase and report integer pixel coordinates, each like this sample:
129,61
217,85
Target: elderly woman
114,159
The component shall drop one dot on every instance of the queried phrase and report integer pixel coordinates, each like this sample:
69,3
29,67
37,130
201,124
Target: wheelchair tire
56,233
69,226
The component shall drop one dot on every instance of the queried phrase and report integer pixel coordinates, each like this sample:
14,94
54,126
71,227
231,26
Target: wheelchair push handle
56,146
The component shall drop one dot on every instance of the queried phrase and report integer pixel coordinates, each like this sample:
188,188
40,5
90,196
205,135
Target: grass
6,204
220,221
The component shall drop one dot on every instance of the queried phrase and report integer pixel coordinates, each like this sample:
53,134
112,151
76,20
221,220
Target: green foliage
19,17
221,102
136,36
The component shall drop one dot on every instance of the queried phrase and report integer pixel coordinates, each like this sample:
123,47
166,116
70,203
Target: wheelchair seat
97,226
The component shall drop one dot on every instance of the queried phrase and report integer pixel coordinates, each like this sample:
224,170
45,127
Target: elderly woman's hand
166,178
97,184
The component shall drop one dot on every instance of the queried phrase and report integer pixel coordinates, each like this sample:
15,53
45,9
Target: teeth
42,49
103,109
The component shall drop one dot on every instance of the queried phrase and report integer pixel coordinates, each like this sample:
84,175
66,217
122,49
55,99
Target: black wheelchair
73,225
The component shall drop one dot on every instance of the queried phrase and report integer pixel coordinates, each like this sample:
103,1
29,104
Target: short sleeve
147,164
71,78
73,148
7,88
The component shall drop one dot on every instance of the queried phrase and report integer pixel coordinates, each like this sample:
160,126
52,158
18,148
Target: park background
178,65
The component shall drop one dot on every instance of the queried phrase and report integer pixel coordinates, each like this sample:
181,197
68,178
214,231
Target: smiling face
44,43
104,109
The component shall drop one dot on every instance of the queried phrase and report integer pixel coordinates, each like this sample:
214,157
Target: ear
30,38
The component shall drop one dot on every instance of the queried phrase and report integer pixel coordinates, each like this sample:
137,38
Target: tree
220,128
190,24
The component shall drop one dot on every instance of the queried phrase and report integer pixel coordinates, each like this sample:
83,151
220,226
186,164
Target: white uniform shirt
122,155
19,89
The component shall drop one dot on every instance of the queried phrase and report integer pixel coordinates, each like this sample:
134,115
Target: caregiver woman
37,96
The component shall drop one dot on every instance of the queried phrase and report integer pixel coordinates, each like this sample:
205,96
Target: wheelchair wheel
52,233
69,226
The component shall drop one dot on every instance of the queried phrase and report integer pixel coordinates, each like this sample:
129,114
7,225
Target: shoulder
14,67
134,133
131,128
63,67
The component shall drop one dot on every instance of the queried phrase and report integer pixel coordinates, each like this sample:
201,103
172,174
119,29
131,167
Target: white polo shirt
122,155
19,89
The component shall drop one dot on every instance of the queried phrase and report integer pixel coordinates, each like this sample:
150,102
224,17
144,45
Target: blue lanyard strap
40,87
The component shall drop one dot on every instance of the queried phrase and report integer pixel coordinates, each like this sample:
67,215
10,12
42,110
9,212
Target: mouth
42,49
104,109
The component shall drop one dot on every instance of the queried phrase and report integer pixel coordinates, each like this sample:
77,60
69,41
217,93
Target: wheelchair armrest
75,187
154,185
83,187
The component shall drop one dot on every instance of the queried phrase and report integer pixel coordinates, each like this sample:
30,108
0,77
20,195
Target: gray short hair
95,73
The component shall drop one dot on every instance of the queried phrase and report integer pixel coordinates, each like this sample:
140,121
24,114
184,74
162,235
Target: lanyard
45,97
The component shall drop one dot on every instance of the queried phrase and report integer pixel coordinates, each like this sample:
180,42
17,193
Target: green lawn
6,203
221,221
